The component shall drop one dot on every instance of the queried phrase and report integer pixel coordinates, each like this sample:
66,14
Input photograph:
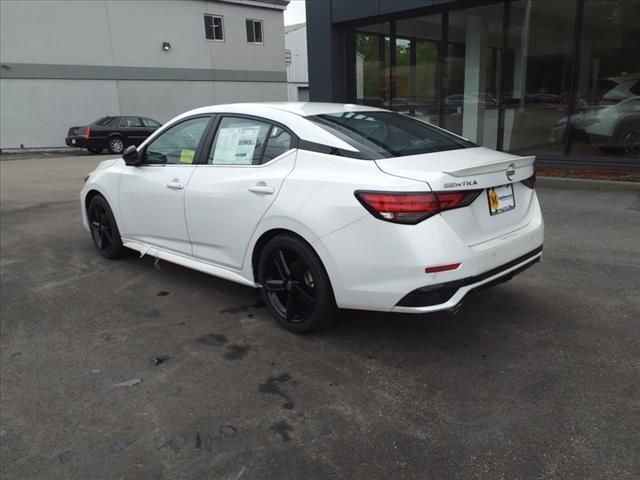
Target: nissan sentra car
321,206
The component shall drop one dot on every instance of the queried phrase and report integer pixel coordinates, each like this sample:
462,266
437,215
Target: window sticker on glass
235,145
186,156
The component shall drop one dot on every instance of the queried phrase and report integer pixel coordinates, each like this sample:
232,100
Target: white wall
249,92
130,33
296,42
163,100
126,33
38,113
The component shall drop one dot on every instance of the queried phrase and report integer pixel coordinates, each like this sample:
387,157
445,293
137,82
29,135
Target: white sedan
321,206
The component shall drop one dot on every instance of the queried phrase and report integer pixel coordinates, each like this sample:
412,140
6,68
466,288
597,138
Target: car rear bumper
83,142
449,295
376,265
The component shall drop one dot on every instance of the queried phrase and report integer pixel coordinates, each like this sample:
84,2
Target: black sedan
112,133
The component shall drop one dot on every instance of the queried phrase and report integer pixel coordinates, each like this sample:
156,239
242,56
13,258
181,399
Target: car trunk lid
476,168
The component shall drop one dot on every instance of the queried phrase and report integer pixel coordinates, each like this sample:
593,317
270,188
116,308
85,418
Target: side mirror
131,156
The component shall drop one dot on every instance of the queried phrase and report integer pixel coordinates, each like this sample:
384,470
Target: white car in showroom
321,206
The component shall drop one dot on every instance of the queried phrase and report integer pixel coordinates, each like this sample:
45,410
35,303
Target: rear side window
239,141
635,88
104,121
130,122
388,134
278,143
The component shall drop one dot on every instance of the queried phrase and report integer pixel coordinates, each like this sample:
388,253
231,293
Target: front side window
387,134
178,144
214,27
254,31
130,122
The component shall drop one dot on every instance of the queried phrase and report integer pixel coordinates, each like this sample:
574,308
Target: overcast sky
295,12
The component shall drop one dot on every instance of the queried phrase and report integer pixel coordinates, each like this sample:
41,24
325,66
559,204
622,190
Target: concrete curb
584,184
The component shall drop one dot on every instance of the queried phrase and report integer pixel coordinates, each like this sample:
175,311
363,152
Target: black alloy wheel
104,231
295,285
116,145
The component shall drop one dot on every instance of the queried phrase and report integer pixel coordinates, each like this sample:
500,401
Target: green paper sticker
187,156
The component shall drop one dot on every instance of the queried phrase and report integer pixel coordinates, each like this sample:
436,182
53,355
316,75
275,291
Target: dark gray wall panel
110,72
393,6
343,10
319,50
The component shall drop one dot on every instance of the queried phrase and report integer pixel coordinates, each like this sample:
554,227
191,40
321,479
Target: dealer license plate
501,199
73,141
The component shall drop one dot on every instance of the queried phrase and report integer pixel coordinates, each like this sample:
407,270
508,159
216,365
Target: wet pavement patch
160,359
199,441
174,443
162,293
282,429
203,442
243,308
228,431
119,445
127,383
272,387
3,433
214,339
236,352
153,314
67,456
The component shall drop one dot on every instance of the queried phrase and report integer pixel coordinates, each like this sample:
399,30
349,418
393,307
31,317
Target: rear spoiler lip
493,167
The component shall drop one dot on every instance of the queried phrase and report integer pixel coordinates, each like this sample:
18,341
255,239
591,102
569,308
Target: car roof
291,114
303,109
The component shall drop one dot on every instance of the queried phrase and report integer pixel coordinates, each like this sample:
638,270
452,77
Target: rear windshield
103,121
388,134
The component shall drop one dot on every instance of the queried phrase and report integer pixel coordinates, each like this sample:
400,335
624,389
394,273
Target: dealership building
556,78
66,63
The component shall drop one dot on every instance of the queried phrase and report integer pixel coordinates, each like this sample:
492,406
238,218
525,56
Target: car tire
103,227
95,150
295,286
630,140
115,145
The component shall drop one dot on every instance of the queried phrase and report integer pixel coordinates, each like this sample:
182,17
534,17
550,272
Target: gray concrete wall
38,113
68,63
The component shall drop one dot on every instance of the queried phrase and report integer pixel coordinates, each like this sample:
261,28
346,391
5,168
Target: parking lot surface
117,369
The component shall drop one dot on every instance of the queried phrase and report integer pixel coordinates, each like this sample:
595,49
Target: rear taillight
531,181
412,208
86,132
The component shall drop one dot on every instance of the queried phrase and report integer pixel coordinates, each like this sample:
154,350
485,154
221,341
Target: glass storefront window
606,118
473,73
571,73
416,73
372,66
539,77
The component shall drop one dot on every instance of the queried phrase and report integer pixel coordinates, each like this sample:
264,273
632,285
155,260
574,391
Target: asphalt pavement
118,369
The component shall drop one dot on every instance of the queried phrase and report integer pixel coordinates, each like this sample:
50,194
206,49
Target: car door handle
262,188
175,185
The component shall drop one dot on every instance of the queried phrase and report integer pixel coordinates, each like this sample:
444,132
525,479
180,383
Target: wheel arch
623,125
264,238
91,193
